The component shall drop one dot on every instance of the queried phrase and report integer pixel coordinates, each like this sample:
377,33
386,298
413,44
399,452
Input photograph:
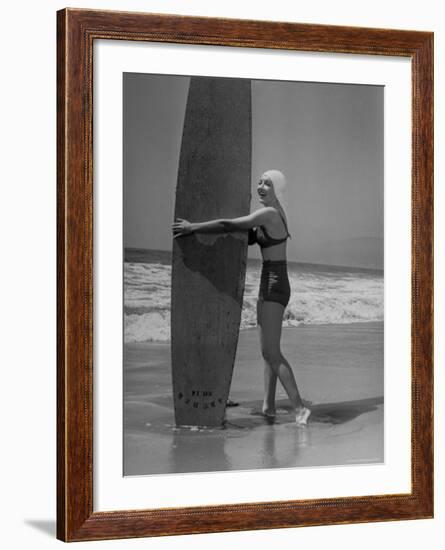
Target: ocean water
320,295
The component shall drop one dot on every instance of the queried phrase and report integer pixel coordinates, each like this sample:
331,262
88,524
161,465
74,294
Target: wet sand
338,368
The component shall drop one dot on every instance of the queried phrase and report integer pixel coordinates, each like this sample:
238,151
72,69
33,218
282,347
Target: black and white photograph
253,274
223,275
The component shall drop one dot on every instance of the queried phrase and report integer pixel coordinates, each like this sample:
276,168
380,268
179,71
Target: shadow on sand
326,413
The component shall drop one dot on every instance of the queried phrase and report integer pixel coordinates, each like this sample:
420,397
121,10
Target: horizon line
259,260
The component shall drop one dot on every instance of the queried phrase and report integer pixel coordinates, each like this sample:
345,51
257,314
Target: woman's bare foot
268,411
302,415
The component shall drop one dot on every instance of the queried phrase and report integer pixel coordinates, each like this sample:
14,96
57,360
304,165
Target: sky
326,138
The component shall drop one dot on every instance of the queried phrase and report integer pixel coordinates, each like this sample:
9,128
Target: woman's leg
270,376
270,334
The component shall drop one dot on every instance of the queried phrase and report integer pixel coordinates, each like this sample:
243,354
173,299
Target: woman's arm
183,227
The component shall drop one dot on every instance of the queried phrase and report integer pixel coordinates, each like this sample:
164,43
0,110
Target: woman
266,227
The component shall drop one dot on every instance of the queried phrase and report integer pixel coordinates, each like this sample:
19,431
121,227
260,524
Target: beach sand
339,371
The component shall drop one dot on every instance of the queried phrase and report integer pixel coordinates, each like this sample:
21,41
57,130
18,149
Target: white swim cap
278,181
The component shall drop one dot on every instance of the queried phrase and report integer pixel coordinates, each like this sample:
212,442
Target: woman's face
265,190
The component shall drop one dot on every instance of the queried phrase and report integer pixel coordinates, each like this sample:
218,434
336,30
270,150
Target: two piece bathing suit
274,285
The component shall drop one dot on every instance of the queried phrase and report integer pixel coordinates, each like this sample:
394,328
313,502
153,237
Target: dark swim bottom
274,285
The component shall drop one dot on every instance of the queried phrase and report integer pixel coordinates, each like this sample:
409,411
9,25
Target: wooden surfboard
208,270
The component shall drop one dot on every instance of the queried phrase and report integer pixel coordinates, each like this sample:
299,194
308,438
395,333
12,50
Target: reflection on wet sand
345,395
198,451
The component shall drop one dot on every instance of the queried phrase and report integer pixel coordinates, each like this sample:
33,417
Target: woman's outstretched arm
225,225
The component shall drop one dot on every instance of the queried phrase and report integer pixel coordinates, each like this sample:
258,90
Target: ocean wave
317,298
148,327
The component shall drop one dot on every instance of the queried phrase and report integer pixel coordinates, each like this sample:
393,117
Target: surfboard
208,270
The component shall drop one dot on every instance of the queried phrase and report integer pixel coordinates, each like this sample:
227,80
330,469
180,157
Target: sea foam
320,295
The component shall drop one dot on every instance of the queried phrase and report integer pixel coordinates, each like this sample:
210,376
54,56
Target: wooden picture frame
76,32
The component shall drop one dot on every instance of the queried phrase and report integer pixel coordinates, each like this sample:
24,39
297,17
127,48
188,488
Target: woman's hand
181,228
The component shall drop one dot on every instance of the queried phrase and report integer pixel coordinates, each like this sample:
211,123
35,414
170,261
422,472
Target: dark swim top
260,235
